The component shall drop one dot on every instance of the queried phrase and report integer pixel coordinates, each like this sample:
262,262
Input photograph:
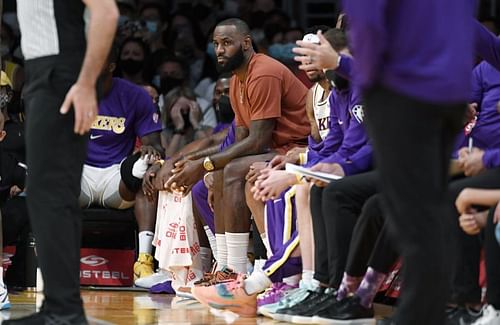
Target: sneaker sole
237,309
282,317
329,321
5,306
302,320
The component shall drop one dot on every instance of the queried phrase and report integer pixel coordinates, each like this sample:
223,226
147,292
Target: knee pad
133,183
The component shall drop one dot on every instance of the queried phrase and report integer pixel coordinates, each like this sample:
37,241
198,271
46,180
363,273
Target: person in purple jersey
111,174
414,75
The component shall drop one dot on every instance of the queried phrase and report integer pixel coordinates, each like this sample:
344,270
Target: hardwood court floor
127,308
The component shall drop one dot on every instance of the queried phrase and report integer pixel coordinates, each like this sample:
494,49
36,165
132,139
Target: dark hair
314,29
142,44
170,35
157,6
172,58
240,25
337,39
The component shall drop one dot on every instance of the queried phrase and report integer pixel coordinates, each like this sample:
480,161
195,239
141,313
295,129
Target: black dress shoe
43,318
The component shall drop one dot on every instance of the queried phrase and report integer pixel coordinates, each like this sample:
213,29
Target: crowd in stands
197,104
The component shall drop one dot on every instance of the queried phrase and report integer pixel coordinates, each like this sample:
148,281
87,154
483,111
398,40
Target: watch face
208,165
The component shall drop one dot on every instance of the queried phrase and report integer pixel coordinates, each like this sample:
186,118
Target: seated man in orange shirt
269,105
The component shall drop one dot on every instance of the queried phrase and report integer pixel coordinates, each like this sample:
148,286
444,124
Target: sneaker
273,294
348,311
490,316
143,267
290,298
385,321
42,318
224,275
148,282
229,295
185,292
328,301
461,315
163,287
4,297
312,300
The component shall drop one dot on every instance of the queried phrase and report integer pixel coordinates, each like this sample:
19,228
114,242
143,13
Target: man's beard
232,63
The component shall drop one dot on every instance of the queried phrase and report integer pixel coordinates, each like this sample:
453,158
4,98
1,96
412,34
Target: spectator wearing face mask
154,17
173,72
132,55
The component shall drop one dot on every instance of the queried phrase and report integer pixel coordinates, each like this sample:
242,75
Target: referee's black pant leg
465,273
413,142
55,156
342,202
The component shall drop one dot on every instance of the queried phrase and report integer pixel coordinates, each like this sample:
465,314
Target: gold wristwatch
208,164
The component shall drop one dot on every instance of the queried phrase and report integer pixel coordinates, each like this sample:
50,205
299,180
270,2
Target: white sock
292,280
259,264
237,244
263,236
257,282
146,241
308,279
211,240
221,251
206,259
140,167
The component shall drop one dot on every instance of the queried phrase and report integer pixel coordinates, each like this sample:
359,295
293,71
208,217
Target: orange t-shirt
271,90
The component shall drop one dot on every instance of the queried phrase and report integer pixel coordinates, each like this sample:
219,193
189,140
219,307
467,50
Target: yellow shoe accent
144,266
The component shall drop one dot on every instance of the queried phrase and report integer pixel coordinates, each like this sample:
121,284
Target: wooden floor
127,308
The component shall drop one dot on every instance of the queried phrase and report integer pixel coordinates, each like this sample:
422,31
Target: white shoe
155,278
4,298
491,316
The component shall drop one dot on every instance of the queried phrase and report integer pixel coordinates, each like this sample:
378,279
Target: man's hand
186,175
15,190
83,99
195,114
316,56
472,223
255,170
151,153
462,203
148,187
473,163
176,116
292,157
271,183
163,175
334,169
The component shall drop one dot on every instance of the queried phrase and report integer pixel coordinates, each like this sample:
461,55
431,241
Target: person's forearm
173,145
246,147
481,197
102,28
203,153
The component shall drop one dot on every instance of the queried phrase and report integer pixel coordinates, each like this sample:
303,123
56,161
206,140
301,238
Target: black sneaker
42,318
306,316
349,309
314,299
461,315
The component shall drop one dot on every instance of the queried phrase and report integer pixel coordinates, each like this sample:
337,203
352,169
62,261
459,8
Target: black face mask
169,83
340,83
224,110
131,66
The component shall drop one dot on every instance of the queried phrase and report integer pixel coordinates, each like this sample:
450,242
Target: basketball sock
237,246
221,251
211,240
348,286
308,279
146,242
206,259
369,287
292,280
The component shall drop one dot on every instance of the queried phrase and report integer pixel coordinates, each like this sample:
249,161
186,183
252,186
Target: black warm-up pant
335,210
412,142
55,156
